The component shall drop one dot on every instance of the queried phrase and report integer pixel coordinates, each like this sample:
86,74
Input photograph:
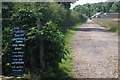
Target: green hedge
26,15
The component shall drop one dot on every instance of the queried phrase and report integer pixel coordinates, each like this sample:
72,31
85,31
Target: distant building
106,15
113,15
96,15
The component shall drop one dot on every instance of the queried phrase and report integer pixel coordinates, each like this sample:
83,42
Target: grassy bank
111,24
66,63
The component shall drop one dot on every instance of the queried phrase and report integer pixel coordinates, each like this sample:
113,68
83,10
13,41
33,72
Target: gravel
95,52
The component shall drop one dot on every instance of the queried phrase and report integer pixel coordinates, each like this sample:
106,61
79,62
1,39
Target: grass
109,23
66,63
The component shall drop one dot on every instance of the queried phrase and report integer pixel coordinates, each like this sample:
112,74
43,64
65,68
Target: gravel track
95,52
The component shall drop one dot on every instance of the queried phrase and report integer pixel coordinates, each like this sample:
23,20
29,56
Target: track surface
95,52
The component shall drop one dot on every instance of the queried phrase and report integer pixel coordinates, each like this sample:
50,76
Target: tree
104,7
82,9
115,7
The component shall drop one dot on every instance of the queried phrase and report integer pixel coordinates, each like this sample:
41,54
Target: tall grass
111,24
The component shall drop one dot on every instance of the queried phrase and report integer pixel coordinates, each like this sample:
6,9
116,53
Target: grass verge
110,24
66,63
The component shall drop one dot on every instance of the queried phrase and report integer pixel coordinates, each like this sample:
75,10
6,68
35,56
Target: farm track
95,52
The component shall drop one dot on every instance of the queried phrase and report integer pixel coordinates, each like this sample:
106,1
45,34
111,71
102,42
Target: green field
110,23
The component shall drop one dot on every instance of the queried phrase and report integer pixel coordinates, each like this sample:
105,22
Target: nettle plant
54,46
55,49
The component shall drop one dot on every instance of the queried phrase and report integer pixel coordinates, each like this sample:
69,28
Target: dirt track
95,52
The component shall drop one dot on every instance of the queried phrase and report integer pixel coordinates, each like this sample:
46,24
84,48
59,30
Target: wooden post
41,47
1,38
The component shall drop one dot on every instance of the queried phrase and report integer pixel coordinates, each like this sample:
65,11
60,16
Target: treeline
55,19
105,7
58,13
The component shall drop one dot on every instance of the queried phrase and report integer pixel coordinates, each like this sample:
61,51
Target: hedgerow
55,20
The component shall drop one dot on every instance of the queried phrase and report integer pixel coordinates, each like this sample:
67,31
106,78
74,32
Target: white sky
81,2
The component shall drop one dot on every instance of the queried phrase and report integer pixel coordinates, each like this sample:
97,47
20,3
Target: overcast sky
81,2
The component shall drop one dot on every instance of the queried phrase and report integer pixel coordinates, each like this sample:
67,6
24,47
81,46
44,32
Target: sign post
18,51
41,47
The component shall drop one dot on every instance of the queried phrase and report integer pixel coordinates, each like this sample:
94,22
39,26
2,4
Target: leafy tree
91,9
82,9
115,7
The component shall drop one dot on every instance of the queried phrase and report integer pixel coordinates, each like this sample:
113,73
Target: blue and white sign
18,51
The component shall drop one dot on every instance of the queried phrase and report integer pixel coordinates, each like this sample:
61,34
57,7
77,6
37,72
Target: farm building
106,15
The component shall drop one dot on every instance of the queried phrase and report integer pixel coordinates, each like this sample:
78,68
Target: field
110,23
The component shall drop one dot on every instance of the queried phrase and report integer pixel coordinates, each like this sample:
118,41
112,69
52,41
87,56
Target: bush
27,15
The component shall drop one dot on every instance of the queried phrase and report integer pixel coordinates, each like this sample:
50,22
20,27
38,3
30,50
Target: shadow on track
92,29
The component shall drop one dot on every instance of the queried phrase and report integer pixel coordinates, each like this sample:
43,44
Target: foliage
82,9
54,38
91,9
27,15
115,7
54,53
